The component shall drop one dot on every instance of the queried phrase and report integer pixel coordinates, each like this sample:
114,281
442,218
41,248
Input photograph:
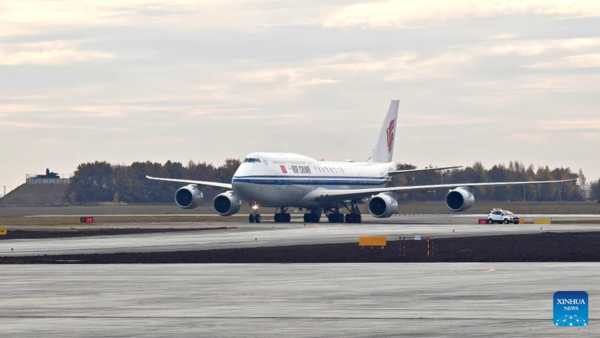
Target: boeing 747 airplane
284,180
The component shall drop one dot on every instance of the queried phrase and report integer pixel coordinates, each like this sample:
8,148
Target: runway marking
265,317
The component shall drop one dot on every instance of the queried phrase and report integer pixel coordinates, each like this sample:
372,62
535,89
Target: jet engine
189,197
459,199
227,204
383,205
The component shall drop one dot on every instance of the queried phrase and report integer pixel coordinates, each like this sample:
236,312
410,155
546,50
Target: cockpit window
251,160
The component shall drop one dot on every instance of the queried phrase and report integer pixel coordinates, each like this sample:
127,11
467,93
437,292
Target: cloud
583,83
314,82
527,137
411,14
530,47
571,125
293,77
27,18
105,111
252,117
505,36
28,125
11,109
33,17
574,61
441,120
28,97
218,111
411,66
47,53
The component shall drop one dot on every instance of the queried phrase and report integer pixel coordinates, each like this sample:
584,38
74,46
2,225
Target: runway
292,300
247,235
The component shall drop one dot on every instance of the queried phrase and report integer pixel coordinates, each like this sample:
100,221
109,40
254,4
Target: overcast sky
206,80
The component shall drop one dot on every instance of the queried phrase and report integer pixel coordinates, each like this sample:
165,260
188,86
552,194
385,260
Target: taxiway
245,235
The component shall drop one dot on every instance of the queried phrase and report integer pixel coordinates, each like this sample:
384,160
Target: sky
125,81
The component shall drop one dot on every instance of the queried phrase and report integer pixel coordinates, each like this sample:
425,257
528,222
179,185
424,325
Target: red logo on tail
390,135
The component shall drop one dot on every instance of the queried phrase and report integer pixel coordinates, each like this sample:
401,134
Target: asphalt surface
268,234
540,247
292,300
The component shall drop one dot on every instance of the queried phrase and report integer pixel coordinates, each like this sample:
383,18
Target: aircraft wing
412,171
209,184
354,194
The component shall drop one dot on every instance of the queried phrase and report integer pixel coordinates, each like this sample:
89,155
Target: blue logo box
571,308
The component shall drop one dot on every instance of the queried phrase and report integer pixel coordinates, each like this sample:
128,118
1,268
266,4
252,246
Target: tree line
513,172
105,182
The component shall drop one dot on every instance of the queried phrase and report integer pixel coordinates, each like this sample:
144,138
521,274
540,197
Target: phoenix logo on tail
390,135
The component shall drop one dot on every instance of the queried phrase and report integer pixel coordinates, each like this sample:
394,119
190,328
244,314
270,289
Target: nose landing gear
255,215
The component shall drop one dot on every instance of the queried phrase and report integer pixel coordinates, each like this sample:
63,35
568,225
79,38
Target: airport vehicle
502,216
284,180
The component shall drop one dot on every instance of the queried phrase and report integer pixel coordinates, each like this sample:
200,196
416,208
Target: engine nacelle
227,204
189,197
383,206
459,199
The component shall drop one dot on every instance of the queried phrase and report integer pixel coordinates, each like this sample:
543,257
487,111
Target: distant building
48,178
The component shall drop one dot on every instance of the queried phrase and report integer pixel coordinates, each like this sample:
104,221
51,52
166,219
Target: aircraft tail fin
384,148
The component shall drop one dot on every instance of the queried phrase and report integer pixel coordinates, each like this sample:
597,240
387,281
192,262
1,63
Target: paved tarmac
247,235
292,300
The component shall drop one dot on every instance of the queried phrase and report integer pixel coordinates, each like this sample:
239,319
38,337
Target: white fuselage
292,180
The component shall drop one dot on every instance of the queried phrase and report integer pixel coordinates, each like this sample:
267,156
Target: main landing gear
254,216
283,216
314,216
335,216
354,216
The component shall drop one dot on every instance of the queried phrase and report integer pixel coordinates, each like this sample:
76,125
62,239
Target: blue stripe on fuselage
288,181
312,176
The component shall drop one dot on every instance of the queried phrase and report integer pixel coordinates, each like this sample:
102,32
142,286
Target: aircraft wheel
349,218
307,218
287,218
315,218
277,218
257,218
358,218
251,218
